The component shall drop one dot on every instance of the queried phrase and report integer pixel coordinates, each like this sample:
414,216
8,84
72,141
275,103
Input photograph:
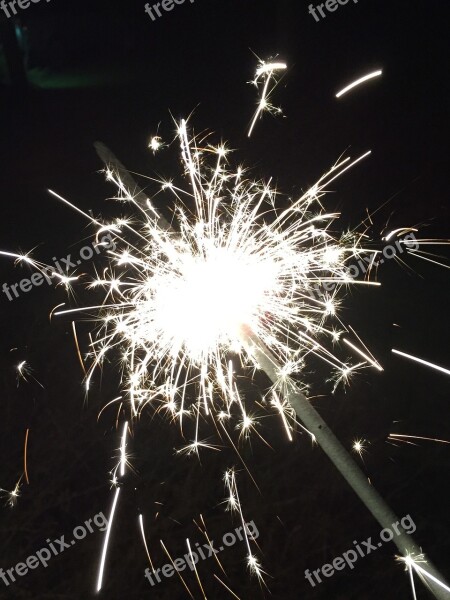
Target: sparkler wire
324,436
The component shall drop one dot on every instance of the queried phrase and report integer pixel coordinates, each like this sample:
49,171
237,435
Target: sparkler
183,301
276,324
258,308
226,292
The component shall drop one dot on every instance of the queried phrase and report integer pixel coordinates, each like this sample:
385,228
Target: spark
252,561
195,568
46,270
359,446
226,587
25,453
13,495
422,362
24,370
284,408
123,450
358,82
205,533
400,231
435,262
19,257
369,359
156,143
412,563
77,345
176,570
141,525
115,481
106,542
265,74
73,207
399,437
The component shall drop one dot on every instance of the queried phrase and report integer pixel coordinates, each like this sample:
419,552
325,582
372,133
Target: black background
102,70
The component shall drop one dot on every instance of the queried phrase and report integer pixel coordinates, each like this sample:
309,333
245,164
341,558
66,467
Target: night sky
105,71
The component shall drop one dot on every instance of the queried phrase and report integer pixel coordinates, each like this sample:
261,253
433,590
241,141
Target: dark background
102,70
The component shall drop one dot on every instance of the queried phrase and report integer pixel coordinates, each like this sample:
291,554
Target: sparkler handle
341,459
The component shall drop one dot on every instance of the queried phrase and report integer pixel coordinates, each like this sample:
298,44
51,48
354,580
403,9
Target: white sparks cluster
265,81
180,300
234,505
413,566
13,495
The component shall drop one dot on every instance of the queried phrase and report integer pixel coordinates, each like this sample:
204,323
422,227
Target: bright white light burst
180,302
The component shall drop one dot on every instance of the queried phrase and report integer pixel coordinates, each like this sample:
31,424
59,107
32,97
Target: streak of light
123,450
370,360
396,232
422,362
358,82
266,71
226,587
399,436
73,207
25,453
195,569
176,570
282,408
80,358
101,571
435,262
141,525
205,533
